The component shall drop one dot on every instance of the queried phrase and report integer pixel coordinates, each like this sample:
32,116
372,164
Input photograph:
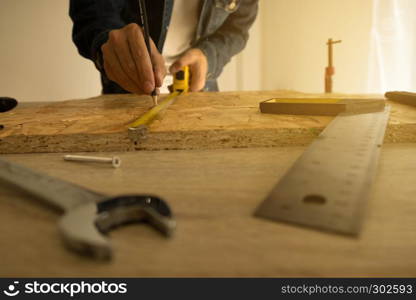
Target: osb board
195,121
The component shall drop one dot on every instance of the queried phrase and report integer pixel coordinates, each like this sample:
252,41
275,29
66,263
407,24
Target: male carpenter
203,34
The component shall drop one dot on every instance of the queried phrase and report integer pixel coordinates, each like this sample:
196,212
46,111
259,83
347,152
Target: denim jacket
221,33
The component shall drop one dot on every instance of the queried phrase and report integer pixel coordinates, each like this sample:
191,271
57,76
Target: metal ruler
329,184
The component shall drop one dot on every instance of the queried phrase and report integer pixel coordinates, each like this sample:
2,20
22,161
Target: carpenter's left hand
198,68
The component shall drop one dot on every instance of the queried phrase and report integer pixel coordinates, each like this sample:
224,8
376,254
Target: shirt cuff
96,54
211,54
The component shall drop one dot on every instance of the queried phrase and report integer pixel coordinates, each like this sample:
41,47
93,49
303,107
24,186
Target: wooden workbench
213,193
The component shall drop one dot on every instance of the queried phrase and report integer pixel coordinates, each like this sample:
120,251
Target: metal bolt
115,161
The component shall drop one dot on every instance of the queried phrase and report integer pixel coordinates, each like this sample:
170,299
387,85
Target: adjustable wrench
87,214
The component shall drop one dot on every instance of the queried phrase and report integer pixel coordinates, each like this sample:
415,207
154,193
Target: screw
115,161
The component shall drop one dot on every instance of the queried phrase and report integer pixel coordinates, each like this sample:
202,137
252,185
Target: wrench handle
58,193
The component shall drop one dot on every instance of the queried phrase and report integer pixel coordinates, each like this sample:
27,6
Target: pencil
145,23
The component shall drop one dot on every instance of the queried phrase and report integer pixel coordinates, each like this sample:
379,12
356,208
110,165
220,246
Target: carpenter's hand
198,68
127,62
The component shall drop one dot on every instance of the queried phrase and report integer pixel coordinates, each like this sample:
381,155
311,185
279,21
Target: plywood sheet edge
182,140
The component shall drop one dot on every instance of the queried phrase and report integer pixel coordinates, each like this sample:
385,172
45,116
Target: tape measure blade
327,186
154,112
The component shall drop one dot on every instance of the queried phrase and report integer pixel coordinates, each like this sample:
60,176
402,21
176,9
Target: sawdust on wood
194,121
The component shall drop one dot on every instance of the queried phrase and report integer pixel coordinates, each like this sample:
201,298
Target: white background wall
287,50
38,60
295,33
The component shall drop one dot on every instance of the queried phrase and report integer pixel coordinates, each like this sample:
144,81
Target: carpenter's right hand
127,62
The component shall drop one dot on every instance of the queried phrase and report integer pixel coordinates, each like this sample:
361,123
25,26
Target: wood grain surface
195,121
213,194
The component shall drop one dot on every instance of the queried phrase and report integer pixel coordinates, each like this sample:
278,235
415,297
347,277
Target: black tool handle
145,24
7,104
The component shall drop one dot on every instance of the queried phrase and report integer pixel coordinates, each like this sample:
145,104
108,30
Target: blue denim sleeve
229,39
92,21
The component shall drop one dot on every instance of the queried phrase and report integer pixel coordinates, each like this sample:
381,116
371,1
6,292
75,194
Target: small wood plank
194,121
321,106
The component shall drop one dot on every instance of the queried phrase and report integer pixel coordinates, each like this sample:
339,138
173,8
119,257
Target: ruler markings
327,186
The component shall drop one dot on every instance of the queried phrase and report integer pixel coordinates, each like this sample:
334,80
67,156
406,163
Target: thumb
185,60
159,68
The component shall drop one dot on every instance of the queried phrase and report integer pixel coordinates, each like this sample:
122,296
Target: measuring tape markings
149,116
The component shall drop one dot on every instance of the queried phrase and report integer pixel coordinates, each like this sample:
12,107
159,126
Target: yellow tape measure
149,116
181,81
180,86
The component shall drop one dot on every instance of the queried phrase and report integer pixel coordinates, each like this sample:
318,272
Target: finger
141,58
185,60
121,81
197,68
115,72
198,75
126,61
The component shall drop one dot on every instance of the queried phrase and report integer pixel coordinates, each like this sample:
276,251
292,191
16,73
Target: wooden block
194,121
320,106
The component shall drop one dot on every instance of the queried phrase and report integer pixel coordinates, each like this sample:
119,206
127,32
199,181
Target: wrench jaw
84,226
80,234
122,210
